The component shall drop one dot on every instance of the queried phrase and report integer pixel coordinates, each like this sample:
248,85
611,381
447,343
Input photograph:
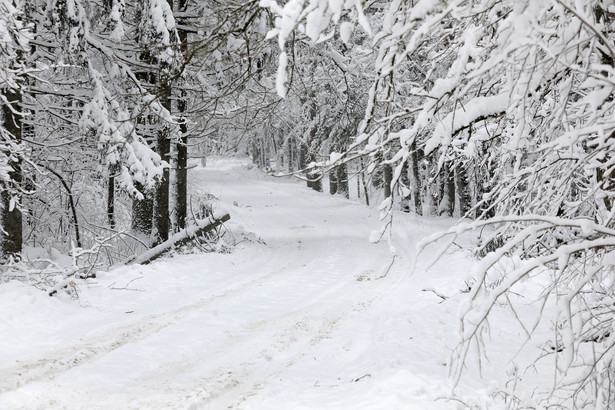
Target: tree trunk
315,180
161,204
181,200
415,179
303,155
448,194
143,209
365,188
111,202
11,217
431,193
446,191
163,147
290,155
143,212
333,181
111,197
359,186
264,154
317,185
342,180
255,154
463,191
406,194
387,175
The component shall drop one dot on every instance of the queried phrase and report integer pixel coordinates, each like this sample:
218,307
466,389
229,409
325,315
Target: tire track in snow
247,382
238,365
250,364
105,341
58,361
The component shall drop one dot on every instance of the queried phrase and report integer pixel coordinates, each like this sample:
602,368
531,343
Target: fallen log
180,238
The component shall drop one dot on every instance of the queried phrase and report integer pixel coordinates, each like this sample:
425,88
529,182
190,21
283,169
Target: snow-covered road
314,317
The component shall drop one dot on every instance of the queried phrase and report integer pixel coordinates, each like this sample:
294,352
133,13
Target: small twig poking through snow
128,284
316,384
386,271
441,296
362,377
133,290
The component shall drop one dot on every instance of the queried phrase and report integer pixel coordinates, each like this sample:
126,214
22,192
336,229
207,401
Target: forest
496,114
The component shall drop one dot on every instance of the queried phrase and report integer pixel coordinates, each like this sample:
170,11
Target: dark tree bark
161,202
12,218
181,201
405,181
365,191
143,212
111,201
463,191
431,190
365,184
315,180
163,148
447,197
304,159
416,157
342,180
290,155
182,173
259,153
317,185
333,181
256,156
111,197
387,176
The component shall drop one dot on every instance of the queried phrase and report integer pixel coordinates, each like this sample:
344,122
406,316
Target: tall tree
11,218
181,200
13,45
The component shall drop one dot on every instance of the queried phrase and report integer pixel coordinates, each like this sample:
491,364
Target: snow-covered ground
313,316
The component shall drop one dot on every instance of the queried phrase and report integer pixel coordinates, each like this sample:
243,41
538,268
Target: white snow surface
317,317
